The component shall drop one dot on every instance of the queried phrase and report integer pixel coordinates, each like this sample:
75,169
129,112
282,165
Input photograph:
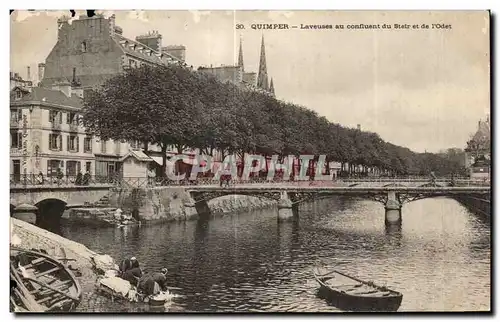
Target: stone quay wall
164,204
481,205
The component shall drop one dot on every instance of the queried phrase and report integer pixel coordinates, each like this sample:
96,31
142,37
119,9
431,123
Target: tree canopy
173,105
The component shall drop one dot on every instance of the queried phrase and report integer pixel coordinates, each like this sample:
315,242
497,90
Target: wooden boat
43,284
352,294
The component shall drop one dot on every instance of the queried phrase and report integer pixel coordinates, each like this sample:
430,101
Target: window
103,146
55,117
84,46
72,168
73,118
88,165
87,145
19,95
55,142
53,165
16,115
73,143
16,140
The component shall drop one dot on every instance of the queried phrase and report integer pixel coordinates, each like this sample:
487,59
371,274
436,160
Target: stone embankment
27,236
481,205
166,204
238,203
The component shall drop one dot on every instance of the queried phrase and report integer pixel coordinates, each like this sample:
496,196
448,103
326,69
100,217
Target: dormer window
84,46
19,95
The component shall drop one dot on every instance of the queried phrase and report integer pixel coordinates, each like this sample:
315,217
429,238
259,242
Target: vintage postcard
250,161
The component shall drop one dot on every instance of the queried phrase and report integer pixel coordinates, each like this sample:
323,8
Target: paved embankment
27,236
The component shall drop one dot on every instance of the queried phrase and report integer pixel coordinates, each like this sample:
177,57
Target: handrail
61,180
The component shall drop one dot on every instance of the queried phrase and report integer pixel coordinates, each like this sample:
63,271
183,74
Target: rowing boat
352,294
43,284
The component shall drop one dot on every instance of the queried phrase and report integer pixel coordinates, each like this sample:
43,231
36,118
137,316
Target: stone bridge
53,200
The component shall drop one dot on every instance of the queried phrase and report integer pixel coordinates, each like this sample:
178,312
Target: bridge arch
208,196
49,211
432,184
393,184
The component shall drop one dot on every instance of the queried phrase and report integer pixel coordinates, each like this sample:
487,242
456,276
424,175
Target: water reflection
439,258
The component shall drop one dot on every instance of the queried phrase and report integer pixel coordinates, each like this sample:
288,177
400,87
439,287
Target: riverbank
27,236
481,206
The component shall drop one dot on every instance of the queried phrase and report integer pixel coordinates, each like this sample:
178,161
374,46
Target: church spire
240,57
271,86
262,77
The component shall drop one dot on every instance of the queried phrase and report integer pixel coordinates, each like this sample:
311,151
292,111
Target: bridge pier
392,210
285,207
202,209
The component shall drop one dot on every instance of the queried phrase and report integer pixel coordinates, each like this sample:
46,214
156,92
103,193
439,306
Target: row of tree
172,105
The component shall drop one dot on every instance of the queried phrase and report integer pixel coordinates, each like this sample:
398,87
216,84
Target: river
248,262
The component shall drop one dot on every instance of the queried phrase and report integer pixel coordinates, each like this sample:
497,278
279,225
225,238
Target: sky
425,89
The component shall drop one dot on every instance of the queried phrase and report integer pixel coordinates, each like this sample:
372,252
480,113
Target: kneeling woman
134,273
152,284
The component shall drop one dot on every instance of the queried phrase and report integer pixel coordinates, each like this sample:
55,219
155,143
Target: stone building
478,151
87,52
90,50
17,81
46,133
237,74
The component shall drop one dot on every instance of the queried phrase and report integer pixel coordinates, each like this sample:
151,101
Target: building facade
91,50
478,151
237,74
18,81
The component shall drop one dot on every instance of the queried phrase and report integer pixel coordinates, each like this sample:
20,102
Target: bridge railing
141,182
32,180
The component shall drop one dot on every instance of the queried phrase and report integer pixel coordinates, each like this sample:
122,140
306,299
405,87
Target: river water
248,262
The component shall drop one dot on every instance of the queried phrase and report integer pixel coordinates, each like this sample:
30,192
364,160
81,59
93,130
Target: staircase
103,202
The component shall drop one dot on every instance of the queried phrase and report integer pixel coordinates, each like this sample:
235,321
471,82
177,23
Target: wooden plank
29,303
55,269
53,297
54,289
58,284
35,262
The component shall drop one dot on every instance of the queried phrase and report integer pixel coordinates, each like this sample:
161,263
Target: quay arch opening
49,214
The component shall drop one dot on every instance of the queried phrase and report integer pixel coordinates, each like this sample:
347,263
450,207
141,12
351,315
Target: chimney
64,87
29,74
359,127
41,71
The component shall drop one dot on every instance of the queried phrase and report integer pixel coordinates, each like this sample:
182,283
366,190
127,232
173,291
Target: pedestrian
86,178
40,178
60,176
79,179
151,177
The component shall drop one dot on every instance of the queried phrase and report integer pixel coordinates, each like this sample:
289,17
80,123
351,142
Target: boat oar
52,288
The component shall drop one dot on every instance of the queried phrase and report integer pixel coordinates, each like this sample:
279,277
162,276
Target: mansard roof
141,51
50,96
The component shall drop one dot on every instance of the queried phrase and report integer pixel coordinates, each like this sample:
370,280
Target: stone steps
103,202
